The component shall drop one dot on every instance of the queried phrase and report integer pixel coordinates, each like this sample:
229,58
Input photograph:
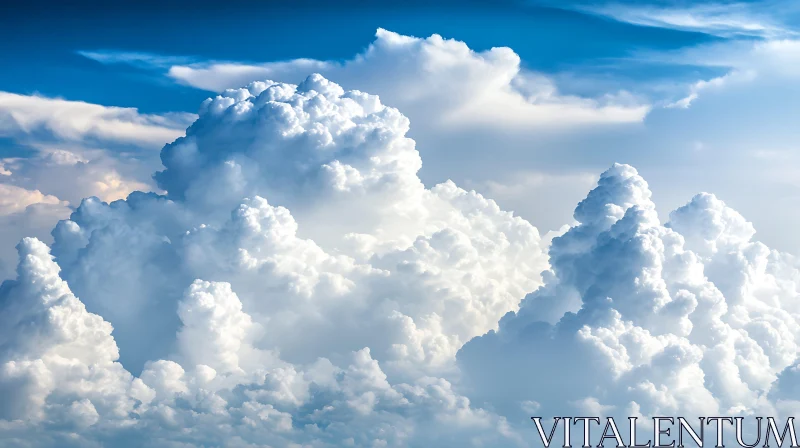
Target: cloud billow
691,317
298,285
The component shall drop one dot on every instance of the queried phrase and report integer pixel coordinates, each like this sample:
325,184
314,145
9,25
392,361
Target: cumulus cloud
298,285
328,315
691,317
41,189
441,79
341,163
59,370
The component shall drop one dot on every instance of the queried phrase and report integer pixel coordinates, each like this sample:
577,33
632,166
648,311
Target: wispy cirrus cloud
142,59
721,19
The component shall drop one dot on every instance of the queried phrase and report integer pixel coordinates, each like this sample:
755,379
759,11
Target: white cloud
461,102
343,337
218,76
15,199
79,121
58,360
724,19
38,191
439,79
692,317
341,163
75,175
142,59
355,307
739,116
769,58
719,82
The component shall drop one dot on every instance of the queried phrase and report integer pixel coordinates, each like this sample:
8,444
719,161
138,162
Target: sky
372,223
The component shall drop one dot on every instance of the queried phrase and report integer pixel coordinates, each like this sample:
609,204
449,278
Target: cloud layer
298,285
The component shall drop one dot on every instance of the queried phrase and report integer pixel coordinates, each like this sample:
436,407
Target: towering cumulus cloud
691,317
297,285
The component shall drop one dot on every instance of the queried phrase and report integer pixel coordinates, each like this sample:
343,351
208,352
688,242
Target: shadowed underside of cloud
297,285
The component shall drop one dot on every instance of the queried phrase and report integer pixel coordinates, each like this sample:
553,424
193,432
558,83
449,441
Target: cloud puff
335,324
363,230
58,360
59,371
297,285
691,317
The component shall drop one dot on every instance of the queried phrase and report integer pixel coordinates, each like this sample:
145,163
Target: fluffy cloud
38,191
333,324
363,230
59,371
58,362
298,285
687,318
453,85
